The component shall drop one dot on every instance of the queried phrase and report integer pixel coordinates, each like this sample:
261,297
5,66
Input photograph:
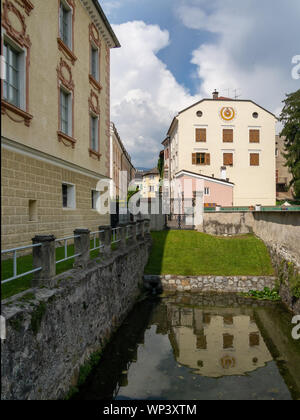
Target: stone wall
228,284
277,229
50,333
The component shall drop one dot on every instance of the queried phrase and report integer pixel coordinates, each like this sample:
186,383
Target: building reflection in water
216,343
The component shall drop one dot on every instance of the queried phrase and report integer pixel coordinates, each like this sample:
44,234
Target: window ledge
63,47
62,137
94,153
95,83
6,106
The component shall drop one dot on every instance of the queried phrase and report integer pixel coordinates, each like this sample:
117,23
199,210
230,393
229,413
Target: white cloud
252,48
145,96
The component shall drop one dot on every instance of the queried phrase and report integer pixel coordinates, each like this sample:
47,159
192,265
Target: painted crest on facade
227,113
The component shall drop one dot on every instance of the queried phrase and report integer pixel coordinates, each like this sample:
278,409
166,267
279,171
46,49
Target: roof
222,98
153,171
106,23
209,178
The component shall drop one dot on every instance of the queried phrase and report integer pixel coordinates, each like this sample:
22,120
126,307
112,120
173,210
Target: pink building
215,191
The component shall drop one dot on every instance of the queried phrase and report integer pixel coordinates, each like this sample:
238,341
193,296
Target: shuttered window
254,159
227,135
254,136
201,158
201,134
227,159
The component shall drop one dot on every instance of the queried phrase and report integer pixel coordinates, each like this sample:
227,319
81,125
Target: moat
199,347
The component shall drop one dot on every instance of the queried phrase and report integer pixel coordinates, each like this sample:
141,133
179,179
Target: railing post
142,229
122,243
44,256
82,247
133,231
106,250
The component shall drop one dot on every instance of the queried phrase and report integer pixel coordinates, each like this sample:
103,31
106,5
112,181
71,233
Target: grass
25,264
194,253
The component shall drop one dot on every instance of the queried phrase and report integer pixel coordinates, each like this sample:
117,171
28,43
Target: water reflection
199,347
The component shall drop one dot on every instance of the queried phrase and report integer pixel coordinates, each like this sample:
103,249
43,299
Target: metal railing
83,241
65,240
251,209
15,262
116,235
94,234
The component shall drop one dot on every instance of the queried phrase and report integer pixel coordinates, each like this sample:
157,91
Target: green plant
265,294
37,316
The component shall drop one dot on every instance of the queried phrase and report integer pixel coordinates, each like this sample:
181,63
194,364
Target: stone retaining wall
51,332
228,284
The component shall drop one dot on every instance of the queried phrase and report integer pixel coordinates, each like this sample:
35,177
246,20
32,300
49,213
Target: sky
176,52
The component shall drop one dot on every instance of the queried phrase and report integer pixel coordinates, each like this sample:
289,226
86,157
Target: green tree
290,117
160,166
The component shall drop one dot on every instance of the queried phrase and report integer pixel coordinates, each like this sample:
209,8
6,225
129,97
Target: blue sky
175,52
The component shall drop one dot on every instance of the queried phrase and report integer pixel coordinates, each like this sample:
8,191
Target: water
199,347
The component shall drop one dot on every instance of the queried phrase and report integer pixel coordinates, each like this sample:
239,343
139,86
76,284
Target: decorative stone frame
66,81
95,41
68,53
22,40
94,111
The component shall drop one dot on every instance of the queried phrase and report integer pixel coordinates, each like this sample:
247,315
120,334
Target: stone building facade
55,116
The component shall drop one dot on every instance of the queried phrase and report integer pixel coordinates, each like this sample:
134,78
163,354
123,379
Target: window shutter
254,136
207,158
193,158
201,134
227,135
254,159
227,159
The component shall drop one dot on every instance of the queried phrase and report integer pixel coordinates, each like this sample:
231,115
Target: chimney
215,94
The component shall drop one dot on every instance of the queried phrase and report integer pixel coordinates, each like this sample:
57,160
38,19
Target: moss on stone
37,316
16,323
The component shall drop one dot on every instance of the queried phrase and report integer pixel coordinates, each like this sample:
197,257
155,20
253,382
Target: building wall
249,188
27,178
147,183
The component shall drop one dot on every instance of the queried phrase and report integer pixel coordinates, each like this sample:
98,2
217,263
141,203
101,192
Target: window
65,23
95,63
68,196
200,158
254,159
199,113
227,159
254,136
206,191
11,83
254,339
227,135
95,199
255,115
65,112
151,188
32,210
228,341
201,134
94,133
276,152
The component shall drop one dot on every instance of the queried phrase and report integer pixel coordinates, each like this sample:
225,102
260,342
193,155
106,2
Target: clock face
227,114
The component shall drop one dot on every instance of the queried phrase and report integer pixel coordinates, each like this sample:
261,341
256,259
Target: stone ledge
226,284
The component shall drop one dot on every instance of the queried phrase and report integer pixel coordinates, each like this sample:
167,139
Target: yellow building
55,116
229,140
150,183
122,171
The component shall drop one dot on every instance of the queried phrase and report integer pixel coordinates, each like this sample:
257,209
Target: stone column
122,243
133,232
82,247
106,250
44,256
198,211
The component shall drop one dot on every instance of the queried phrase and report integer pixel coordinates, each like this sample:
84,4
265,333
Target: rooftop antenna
236,93
227,90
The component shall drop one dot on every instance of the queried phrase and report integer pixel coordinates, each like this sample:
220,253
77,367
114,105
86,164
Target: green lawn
25,264
194,253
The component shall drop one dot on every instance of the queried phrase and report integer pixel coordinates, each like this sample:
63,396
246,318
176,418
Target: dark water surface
199,347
